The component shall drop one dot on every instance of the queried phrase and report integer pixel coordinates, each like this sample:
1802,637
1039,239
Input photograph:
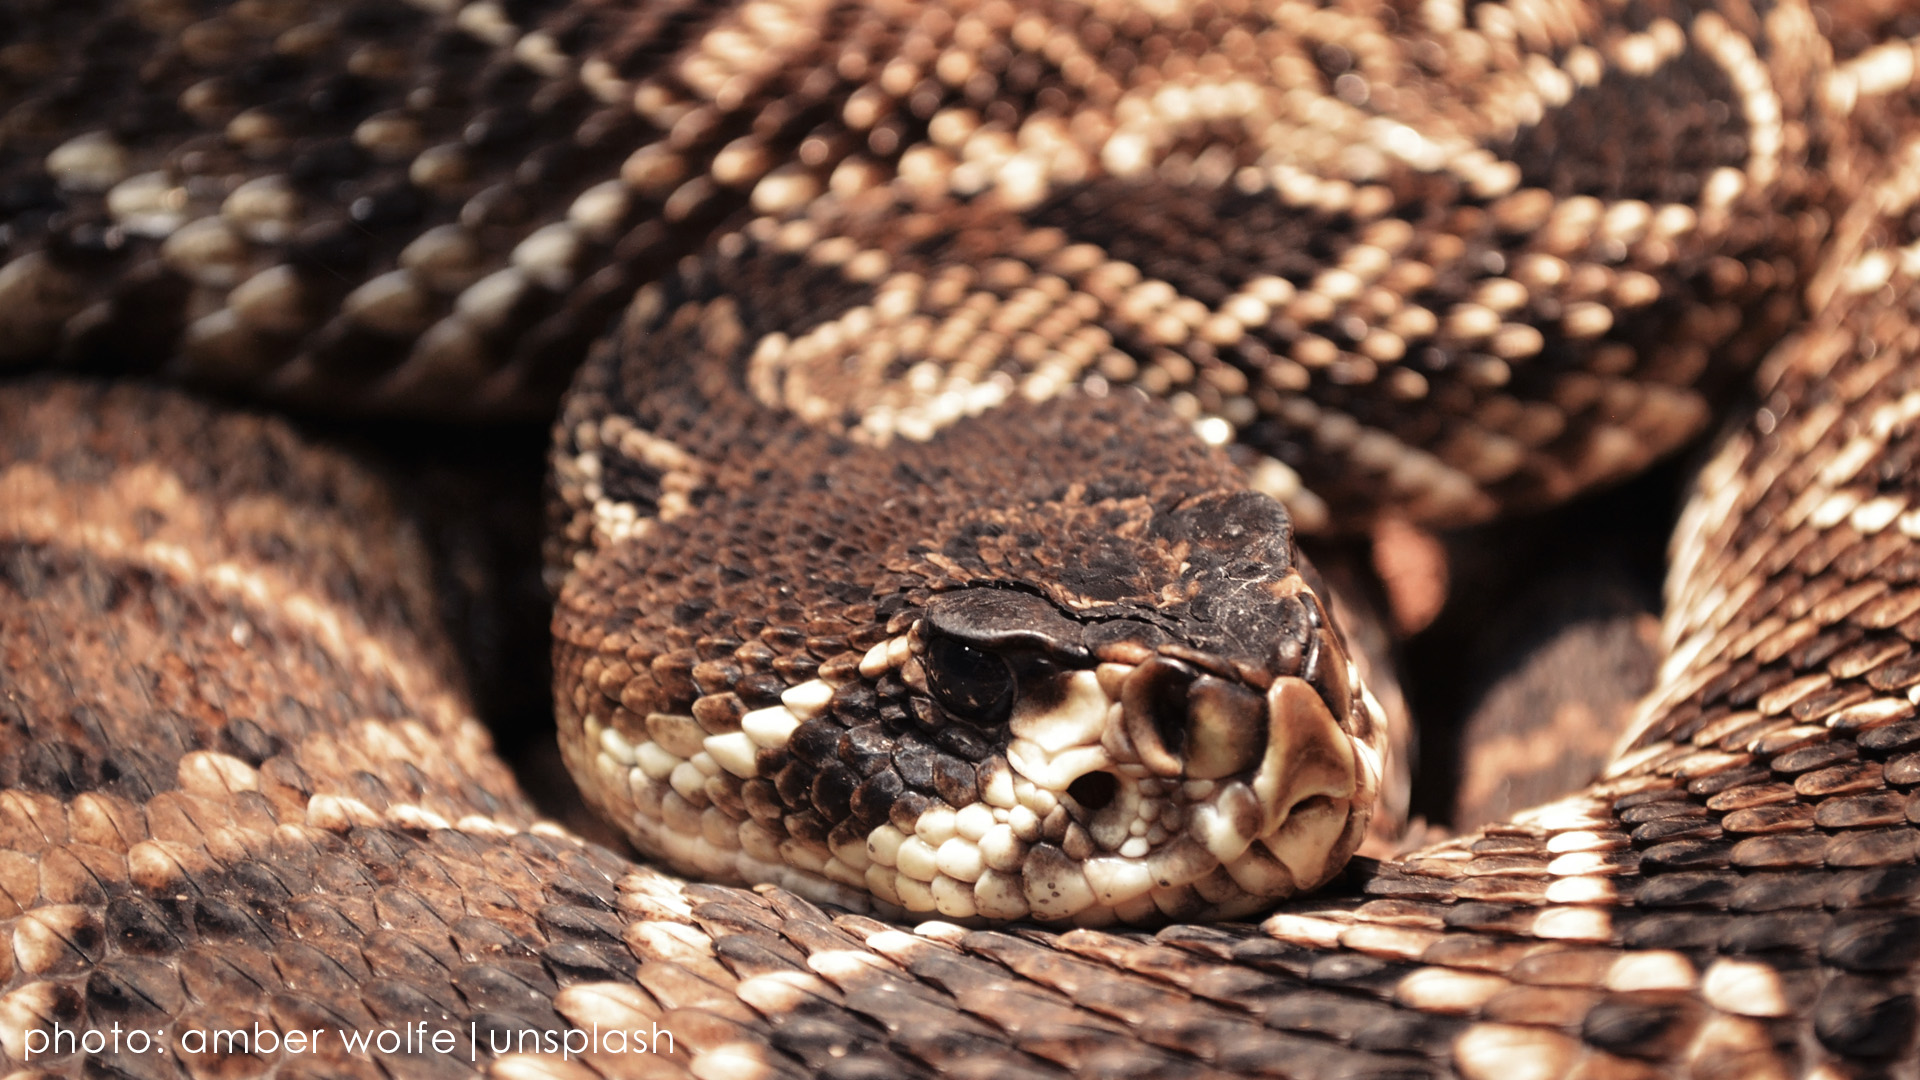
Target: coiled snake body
916,533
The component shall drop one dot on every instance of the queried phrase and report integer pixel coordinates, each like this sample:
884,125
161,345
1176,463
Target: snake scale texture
916,522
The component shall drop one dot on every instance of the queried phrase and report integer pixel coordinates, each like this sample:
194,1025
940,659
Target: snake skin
1430,262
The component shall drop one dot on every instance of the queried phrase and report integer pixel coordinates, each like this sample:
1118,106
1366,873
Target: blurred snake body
948,385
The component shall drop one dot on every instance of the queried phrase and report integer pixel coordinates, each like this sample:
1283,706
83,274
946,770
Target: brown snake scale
914,530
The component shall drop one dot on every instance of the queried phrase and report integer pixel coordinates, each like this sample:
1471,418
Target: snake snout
1315,789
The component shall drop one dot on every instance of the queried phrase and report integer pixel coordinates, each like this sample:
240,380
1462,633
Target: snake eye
973,684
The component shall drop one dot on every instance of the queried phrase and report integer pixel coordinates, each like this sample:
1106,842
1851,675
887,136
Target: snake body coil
919,529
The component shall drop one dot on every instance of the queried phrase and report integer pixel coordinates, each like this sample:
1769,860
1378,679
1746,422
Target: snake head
1203,749
939,677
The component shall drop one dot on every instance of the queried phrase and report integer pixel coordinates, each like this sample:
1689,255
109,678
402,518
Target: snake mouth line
1125,793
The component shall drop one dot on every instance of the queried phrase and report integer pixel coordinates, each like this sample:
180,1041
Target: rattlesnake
1426,262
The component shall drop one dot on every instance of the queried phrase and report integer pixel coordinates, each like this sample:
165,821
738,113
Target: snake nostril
1154,701
1095,791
